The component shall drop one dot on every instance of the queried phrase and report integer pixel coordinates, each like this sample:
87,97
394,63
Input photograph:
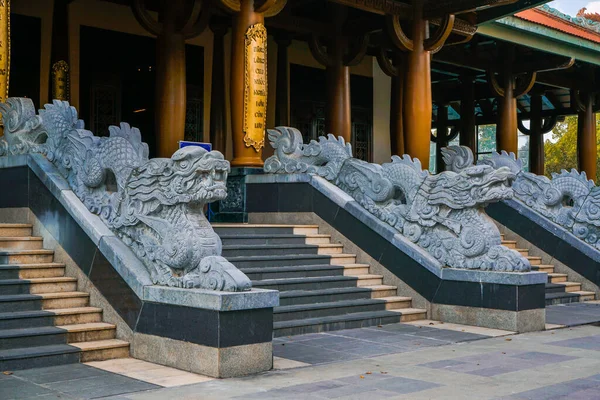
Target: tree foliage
561,151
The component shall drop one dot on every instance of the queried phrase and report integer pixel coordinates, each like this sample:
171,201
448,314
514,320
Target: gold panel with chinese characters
255,87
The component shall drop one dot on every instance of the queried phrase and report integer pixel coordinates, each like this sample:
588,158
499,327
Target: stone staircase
558,289
321,287
44,320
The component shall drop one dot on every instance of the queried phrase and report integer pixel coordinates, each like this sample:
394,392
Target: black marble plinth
233,208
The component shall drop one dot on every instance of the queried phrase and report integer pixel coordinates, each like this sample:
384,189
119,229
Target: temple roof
577,26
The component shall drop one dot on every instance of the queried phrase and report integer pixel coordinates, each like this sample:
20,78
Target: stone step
280,261
317,310
314,283
54,317
563,287
43,301
534,260
294,297
102,350
89,332
12,230
21,242
511,244
26,256
297,271
346,321
38,357
548,268
228,229
280,249
38,285
557,278
27,271
242,239
380,291
568,297
31,337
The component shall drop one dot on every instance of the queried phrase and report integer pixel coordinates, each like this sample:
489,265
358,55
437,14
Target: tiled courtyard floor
402,361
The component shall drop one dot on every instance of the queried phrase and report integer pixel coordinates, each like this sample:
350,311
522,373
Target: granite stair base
321,287
44,320
559,290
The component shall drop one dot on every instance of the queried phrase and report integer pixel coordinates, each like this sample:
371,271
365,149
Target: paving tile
17,389
64,373
496,370
586,343
404,385
543,357
443,364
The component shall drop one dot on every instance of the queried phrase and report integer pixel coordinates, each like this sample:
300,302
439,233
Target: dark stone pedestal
233,208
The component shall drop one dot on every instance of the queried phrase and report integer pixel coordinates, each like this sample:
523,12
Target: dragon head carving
480,184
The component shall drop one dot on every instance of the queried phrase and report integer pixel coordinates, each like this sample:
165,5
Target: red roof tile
541,17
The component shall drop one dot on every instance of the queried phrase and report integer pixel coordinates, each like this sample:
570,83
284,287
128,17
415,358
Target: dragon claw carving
154,205
443,214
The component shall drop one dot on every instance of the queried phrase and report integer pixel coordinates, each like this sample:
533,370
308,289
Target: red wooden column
218,124
394,68
587,156
172,29
282,93
417,102
468,134
337,57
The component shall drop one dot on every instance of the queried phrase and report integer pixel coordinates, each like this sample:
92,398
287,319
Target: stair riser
535,262
397,305
336,326
105,354
376,294
26,258
18,288
281,263
9,274
15,232
91,336
33,341
39,362
547,270
18,323
309,285
370,282
20,305
269,252
263,241
318,240
327,312
73,319
563,300
289,301
241,230
510,245
563,289
356,271
336,260
32,273
557,279
67,302
295,274
524,253
21,244
57,287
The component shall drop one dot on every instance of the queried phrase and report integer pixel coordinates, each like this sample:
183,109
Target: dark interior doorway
117,83
26,44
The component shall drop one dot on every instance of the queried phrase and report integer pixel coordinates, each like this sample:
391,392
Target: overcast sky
572,6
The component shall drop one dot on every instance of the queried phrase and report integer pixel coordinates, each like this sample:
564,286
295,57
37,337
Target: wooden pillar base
587,156
338,120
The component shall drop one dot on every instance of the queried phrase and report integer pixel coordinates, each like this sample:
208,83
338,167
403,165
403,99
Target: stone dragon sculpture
569,199
154,205
443,213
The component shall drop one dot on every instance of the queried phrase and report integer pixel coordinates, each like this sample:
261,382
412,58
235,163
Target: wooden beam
381,7
439,8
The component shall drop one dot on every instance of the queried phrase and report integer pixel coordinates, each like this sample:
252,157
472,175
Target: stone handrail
569,199
443,213
155,206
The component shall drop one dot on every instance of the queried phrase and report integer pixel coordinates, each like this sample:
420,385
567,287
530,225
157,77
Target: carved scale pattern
154,205
443,214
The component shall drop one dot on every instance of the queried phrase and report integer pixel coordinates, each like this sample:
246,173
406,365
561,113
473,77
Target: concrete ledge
503,278
516,321
13,161
211,300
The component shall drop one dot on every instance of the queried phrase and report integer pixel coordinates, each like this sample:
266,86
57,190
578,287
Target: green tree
561,152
